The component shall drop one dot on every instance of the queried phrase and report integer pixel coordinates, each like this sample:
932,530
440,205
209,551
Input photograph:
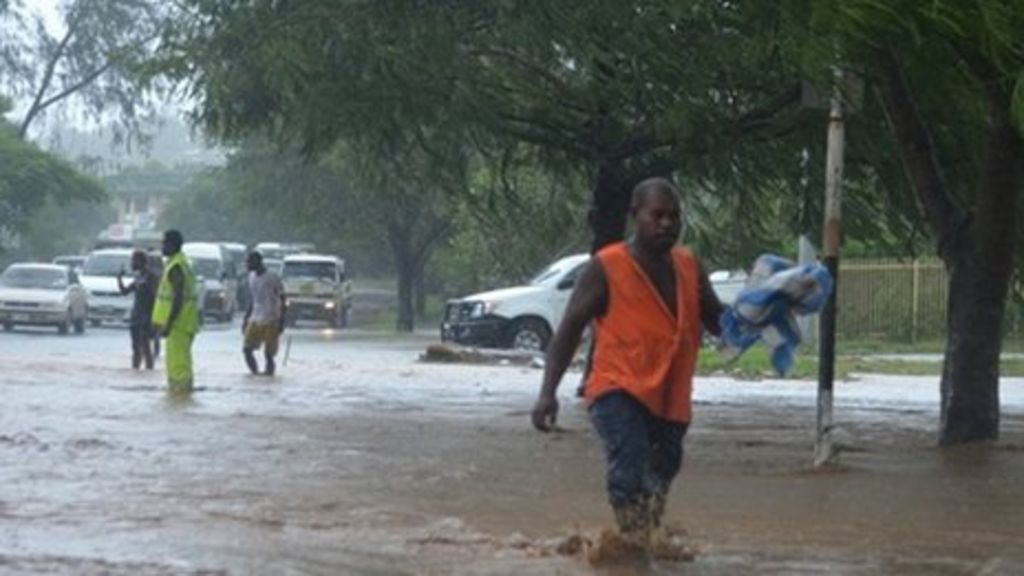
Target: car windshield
318,270
206,267
271,253
237,257
107,264
22,277
551,274
69,261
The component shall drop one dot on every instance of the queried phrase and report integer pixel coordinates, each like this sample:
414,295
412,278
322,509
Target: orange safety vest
640,348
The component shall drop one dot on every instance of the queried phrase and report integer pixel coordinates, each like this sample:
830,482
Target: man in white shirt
264,318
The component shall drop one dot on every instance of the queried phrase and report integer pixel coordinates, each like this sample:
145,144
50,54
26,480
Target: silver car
42,295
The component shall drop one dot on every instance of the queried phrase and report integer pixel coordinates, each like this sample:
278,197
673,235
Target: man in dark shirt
140,325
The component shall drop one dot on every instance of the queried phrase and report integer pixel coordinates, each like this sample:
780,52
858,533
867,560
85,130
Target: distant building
140,195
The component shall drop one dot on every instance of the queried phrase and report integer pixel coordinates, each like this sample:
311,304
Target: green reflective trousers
178,352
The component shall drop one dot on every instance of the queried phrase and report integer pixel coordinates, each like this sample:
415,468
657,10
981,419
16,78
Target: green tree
63,228
95,60
31,180
948,81
618,90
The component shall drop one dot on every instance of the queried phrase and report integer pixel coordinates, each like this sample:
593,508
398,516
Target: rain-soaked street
357,459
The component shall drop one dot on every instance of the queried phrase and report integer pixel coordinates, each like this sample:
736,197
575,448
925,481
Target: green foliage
707,92
514,219
31,178
62,228
700,90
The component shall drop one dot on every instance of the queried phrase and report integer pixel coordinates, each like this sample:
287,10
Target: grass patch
754,364
385,319
878,346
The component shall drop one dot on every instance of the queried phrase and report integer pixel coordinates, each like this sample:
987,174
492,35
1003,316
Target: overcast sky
50,12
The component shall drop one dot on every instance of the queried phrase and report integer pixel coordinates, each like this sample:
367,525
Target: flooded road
356,459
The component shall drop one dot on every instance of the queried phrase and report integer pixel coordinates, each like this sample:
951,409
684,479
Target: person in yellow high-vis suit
176,313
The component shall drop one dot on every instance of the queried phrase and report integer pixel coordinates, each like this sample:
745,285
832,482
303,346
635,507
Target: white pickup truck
525,317
522,317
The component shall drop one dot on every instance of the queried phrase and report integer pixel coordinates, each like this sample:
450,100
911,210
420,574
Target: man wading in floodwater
176,313
264,318
649,300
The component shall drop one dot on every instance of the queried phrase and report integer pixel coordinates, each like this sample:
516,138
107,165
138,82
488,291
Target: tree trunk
420,293
970,374
610,205
405,269
981,264
406,310
978,253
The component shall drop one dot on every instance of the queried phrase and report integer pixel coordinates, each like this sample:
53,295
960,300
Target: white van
217,276
316,289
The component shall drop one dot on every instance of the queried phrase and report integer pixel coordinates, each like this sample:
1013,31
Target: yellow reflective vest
188,318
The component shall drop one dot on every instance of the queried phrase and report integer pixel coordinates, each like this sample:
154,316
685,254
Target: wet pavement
356,459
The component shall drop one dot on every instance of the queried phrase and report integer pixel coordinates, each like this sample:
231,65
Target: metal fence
903,300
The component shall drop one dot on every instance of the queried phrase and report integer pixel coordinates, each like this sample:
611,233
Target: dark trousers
142,344
644,453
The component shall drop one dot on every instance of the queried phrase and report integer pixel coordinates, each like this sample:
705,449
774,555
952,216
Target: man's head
254,262
173,242
139,260
657,212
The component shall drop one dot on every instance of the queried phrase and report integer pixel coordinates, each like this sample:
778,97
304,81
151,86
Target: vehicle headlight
330,305
481,309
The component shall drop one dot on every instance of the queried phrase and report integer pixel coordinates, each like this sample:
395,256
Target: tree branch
51,67
85,81
918,153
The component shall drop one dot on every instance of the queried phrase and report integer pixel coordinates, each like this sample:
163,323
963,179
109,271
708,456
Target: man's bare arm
589,301
711,307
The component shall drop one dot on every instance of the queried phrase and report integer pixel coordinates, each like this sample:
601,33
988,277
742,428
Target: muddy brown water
358,460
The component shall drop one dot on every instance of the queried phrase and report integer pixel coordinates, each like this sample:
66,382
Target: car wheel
8,326
95,323
530,334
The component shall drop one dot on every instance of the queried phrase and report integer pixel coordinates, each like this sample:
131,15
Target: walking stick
287,350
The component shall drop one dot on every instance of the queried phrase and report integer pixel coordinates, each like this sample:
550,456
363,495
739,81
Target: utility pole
825,452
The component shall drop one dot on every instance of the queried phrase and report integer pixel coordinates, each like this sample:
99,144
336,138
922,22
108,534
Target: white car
522,317
99,278
42,295
525,317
